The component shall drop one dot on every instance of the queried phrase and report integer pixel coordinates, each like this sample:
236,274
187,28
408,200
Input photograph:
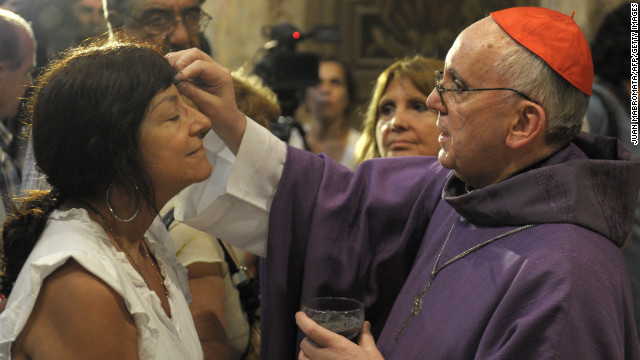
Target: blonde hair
254,98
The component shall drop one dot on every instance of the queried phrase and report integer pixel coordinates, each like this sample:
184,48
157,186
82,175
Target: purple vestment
558,290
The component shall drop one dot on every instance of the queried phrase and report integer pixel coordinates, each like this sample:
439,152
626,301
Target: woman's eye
336,82
385,110
420,106
176,117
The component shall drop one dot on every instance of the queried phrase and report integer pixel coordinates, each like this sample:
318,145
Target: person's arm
77,316
234,203
206,284
203,258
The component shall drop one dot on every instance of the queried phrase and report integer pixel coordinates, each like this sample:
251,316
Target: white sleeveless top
72,234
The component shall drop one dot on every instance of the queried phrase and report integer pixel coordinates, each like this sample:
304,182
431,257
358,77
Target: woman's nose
399,122
200,124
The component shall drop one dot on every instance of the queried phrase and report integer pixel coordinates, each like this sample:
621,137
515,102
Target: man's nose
434,102
179,38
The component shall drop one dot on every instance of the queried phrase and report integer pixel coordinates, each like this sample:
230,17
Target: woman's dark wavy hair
85,114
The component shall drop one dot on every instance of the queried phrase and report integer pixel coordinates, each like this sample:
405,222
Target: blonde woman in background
397,121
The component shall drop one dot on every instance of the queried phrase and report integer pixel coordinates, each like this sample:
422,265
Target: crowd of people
469,213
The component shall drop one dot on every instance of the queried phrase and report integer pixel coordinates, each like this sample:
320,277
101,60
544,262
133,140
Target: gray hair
564,105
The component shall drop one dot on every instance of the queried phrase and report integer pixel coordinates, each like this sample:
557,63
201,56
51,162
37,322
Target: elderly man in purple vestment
507,246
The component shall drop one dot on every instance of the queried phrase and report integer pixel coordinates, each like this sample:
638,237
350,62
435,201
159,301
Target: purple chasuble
557,290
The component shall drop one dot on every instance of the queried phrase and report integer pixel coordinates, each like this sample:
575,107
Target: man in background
89,18
77,21
171,24
17,60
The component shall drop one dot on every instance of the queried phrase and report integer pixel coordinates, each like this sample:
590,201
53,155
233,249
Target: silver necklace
417,301
128,254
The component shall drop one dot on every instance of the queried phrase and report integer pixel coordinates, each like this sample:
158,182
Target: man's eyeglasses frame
442,89
203,21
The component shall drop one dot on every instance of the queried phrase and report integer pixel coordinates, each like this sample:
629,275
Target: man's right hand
210,86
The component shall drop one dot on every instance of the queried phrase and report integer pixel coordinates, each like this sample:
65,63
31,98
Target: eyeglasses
160,21
442,89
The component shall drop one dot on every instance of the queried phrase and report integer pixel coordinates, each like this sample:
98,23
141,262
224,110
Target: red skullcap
555,38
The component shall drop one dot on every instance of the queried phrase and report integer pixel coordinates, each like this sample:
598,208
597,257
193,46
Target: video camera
289,72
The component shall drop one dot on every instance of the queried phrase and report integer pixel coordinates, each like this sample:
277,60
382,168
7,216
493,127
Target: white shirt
72,234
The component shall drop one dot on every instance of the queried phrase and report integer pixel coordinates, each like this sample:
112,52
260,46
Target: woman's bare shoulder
77,315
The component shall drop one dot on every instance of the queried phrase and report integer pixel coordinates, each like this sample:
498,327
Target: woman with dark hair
89,266
330,106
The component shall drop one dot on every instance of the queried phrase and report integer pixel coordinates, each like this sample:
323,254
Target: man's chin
444,158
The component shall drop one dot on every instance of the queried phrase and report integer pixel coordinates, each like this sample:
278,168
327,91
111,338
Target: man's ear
529,125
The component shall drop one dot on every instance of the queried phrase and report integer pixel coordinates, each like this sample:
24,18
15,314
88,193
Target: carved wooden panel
386,29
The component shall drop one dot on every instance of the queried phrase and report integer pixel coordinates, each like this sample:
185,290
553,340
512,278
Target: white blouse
72,234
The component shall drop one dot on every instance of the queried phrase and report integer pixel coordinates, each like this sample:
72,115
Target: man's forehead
139,6
476,45
28,49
